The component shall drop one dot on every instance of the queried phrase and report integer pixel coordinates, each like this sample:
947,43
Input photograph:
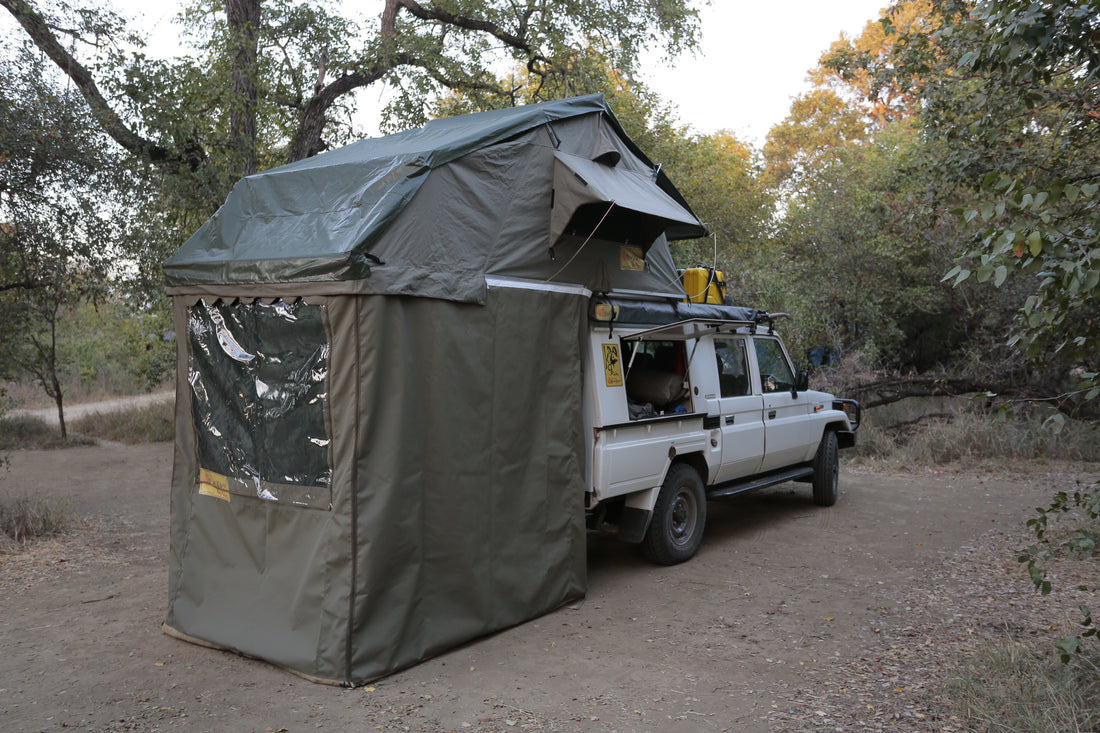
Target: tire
826,471
676,528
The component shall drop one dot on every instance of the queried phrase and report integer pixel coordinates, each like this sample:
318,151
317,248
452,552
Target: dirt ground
792,617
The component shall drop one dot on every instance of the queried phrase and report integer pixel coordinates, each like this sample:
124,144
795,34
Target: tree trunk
55,381
307,140
244,25
59,398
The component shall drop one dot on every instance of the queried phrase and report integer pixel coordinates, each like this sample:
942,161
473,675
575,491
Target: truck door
742,411
787,431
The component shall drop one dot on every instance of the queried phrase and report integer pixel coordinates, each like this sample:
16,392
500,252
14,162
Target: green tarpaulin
380,452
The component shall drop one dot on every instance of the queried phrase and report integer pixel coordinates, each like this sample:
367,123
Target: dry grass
19,432
24,520
970,647
147,424
1022,686
942,431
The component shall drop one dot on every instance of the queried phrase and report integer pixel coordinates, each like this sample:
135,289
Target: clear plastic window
259,374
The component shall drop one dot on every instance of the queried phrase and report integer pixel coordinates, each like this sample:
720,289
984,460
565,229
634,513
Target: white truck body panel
734,437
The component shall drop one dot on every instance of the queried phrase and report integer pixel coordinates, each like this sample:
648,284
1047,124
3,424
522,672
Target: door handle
730,419
771,415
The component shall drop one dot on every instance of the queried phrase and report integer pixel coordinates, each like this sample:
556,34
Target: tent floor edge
177,634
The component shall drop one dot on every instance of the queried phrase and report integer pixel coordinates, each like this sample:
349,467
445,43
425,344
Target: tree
300,61
852,264
1008,109
1011,106
820,122
849,68
57,221
1040,217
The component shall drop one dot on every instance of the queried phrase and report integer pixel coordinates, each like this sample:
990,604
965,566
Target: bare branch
20,285
307,142
389,23
39,31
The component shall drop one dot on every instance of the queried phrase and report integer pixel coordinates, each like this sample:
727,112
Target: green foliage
1079,542
856,256
722,178
1009,113
112,348
58,217
1048,234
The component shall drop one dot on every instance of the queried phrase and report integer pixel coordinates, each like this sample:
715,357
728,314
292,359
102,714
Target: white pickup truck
690,401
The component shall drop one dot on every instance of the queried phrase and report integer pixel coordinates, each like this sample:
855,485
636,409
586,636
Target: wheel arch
696,461
845,436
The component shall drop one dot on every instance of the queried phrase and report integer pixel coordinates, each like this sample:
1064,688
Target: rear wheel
676,528
826,471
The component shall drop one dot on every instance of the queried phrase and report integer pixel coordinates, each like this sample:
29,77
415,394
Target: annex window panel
258,374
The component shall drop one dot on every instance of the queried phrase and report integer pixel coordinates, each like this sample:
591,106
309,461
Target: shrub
26,519
23,431
146,424
1017,686
941,431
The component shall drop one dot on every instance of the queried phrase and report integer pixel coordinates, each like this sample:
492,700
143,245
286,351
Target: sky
753,58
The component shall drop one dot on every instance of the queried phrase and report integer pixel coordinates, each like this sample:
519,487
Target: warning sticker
631,258
213,484
612,365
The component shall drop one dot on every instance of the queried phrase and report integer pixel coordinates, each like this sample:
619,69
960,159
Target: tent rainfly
379,445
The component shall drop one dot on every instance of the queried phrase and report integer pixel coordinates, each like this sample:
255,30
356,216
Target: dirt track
782,595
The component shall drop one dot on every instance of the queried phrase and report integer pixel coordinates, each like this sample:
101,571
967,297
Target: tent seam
354,505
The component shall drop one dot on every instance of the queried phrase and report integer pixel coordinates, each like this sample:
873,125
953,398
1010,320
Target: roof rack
664,313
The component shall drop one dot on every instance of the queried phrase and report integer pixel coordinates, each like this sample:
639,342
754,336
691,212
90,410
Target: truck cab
690,401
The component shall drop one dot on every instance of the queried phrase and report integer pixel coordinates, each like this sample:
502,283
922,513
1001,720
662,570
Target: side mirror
802,383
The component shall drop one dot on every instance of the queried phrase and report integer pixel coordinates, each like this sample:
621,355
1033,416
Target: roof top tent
379,445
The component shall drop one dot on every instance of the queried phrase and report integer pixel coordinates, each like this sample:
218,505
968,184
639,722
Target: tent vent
609,158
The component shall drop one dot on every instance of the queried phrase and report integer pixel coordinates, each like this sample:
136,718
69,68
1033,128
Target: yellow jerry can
704,285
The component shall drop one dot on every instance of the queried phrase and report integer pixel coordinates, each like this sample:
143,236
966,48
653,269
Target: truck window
733,373
656,378
775,372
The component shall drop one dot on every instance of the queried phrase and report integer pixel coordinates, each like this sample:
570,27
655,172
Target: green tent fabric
330,219
380,446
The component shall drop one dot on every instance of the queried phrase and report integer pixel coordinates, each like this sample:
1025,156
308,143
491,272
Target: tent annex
379,448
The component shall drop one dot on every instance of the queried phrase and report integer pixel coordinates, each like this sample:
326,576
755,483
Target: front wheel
826,471
676,528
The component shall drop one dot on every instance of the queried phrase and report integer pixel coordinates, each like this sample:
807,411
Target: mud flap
633,524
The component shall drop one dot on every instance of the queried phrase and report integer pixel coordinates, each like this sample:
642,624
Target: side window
656,381
733,373
775,372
